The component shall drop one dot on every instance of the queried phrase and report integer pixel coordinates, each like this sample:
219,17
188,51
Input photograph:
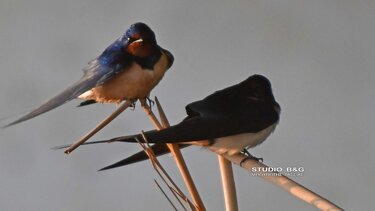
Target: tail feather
86,143
68,94
87,102
118,139
158,149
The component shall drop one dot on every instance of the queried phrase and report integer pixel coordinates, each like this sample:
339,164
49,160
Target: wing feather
94,74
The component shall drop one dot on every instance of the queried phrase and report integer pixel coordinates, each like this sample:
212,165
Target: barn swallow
128,69
227,121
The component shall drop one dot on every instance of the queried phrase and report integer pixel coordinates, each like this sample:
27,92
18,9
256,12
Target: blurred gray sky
319,56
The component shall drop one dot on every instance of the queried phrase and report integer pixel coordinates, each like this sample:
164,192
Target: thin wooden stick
165,195
102,124
176,153
161,171
284,182
180,162
152,116
162,115
229,186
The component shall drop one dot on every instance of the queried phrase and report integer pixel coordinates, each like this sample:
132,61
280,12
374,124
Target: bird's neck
150,61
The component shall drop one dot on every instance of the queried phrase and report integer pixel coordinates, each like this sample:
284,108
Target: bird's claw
150,102
132,104
147,102
249,156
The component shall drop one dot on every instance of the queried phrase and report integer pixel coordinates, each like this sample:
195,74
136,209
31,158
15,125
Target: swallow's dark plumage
229,120
127,70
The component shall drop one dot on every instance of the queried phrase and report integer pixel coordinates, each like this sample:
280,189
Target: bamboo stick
163,174
180,162
285,183
102,124
229,186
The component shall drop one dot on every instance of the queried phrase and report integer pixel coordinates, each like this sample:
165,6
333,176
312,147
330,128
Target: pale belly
134,83
234,144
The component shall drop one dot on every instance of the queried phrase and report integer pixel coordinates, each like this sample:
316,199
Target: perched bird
228,121
128,69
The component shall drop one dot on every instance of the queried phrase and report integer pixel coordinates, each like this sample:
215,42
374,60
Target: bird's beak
138,41
140,48
253,98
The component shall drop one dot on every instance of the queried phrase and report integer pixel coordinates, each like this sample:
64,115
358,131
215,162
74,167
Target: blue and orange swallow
128,69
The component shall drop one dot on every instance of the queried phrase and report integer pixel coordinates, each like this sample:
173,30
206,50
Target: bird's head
258,88
139,40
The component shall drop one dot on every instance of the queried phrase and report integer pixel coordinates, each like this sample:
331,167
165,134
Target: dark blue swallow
227,121
127,70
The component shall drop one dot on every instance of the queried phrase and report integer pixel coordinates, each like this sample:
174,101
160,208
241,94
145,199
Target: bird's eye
130,39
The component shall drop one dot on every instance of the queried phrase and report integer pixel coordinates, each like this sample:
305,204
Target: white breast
234,144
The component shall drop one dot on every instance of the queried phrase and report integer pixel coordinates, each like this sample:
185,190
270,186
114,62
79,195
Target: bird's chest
132,83
236,143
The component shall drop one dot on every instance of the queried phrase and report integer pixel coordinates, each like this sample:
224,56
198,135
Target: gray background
319,56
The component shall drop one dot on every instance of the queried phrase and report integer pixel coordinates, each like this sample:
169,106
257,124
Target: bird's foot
147,103
150,102
132,105
249,156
